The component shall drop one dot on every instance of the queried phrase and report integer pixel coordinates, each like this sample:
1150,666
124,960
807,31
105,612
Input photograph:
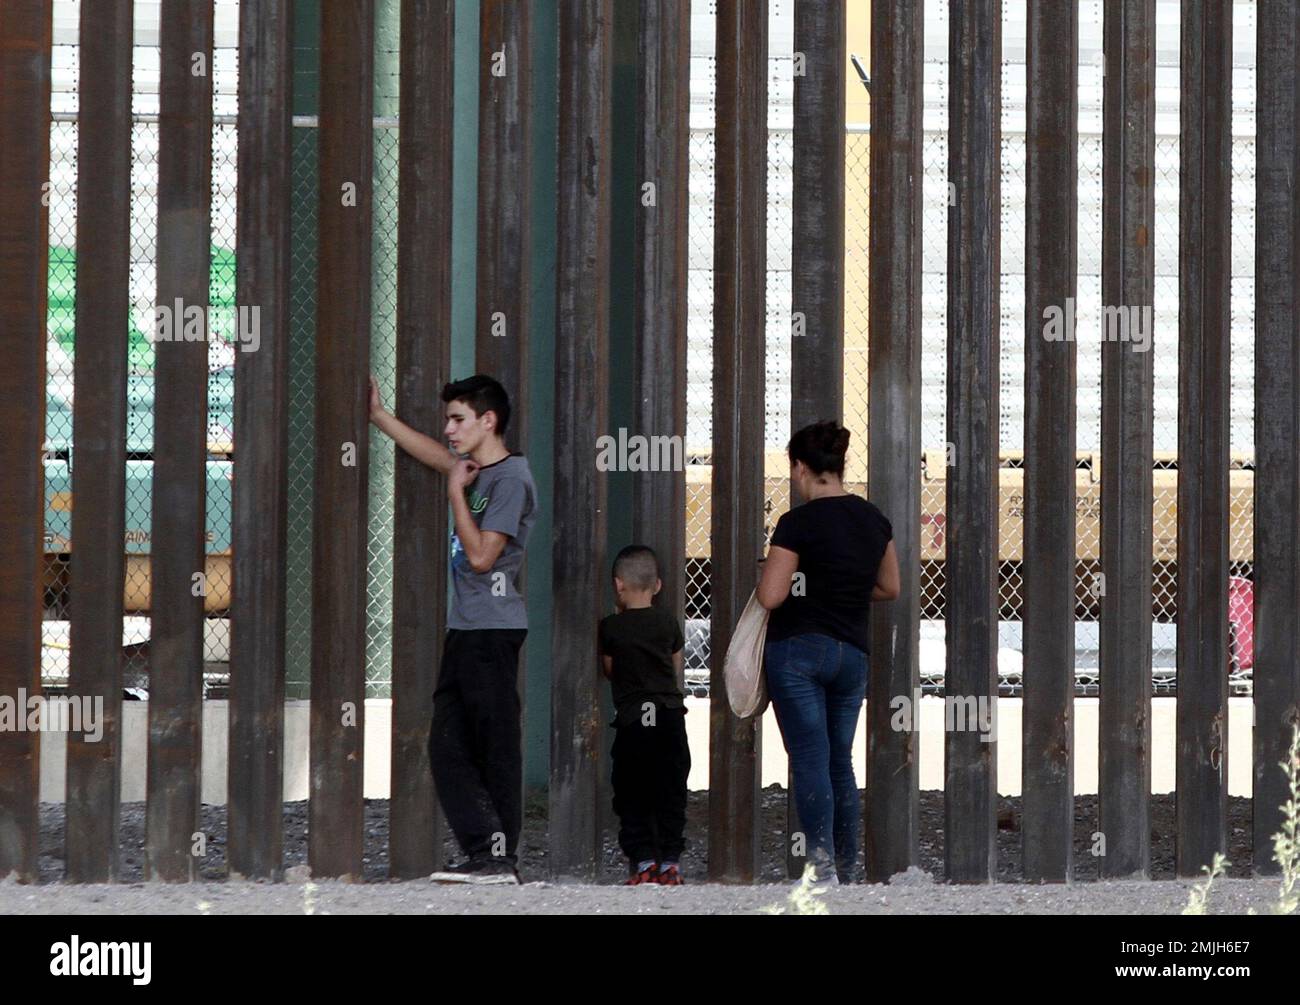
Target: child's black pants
650,767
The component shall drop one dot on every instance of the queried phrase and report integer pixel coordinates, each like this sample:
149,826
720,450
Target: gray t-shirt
502,498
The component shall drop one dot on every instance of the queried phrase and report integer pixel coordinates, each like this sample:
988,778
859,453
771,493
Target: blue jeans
817,685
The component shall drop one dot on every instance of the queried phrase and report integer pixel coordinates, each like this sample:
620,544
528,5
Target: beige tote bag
743,666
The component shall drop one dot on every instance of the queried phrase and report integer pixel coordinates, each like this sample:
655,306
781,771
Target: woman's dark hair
821,447
482,394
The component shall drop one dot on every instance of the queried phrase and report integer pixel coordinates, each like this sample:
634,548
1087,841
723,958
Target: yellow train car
1011,501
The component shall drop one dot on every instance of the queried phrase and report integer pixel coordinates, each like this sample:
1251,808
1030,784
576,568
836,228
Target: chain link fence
221,437
61,332
1089,321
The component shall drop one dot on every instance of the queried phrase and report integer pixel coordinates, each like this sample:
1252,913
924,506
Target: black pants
474,746
650,765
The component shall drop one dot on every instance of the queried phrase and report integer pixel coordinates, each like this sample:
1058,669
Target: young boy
641,655
474,745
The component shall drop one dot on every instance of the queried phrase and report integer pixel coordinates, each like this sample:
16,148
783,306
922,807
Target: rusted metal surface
1127,280
339,515
892,809
1276,567
25,39
817,256
1204,386
99,435
255,772
663,158
1051,382
504,204
661,36
739,335
180,442
970,753
579,582
424,239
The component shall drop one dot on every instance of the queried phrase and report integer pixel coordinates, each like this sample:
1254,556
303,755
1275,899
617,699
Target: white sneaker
820,873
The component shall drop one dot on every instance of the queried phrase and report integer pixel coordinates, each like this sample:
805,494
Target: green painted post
464,228
541,394
302,354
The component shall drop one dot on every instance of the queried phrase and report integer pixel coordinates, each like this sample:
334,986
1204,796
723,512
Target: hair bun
821,446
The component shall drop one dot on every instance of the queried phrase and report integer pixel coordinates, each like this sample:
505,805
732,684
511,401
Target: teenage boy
474,745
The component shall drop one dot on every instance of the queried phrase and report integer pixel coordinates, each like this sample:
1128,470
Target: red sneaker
670,875
649,875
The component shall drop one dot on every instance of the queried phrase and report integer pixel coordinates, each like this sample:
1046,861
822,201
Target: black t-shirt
641,642
840,541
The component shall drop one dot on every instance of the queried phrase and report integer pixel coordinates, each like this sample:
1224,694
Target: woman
829,558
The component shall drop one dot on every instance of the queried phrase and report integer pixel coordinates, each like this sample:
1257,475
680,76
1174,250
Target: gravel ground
918,892
907,896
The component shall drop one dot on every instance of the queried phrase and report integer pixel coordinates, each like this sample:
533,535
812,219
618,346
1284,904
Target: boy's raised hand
424,449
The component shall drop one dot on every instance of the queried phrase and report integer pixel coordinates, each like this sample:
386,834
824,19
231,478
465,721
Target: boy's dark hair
483,394
821,446
638,566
